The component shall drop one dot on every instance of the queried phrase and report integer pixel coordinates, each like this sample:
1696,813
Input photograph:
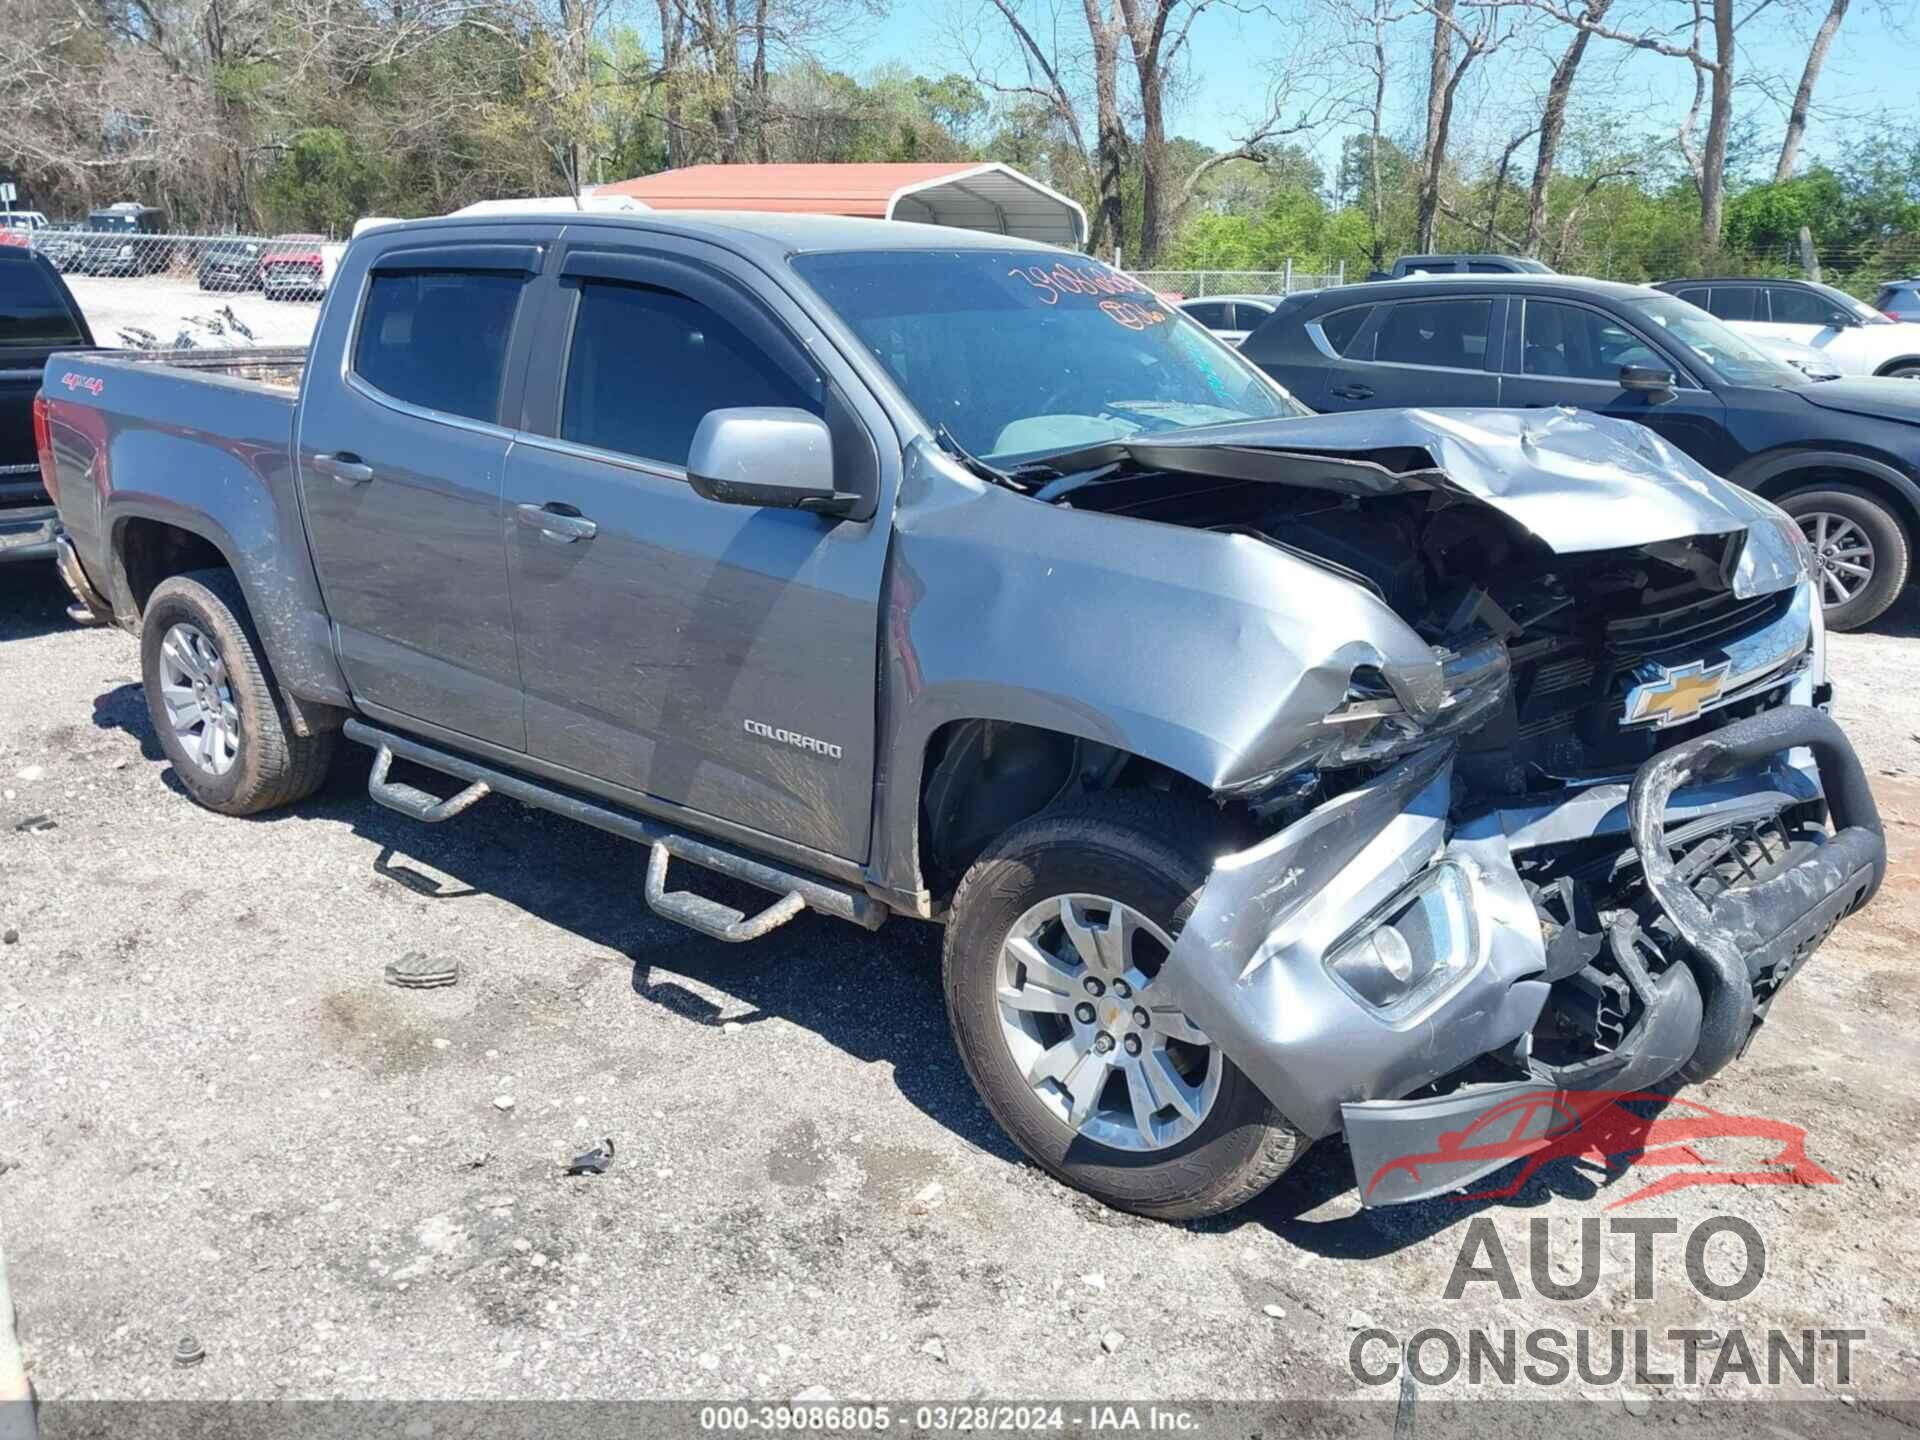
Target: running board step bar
710,917
797,890
414,803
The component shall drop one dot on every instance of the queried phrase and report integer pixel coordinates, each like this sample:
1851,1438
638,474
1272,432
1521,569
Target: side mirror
1647,379
768,456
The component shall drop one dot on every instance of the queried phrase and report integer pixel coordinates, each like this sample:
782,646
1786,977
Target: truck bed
276,366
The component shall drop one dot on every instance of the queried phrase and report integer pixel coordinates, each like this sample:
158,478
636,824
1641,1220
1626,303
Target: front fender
1215,655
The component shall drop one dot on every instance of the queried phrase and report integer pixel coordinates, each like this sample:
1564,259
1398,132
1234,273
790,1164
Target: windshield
110,222
1730,355
1018,355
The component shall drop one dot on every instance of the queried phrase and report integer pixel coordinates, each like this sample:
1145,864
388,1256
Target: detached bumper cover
1249,966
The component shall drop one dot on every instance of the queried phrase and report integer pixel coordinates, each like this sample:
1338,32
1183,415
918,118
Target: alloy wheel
1101,1047
1842,555
195,689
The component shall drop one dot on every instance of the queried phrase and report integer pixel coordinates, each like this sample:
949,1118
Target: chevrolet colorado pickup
1274,775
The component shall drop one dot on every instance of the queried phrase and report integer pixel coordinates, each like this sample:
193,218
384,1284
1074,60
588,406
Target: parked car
17,226
295,268
1854,335
1899,300
1842,457
1463,265
232,264
38,315
1231,317
121,239
923,572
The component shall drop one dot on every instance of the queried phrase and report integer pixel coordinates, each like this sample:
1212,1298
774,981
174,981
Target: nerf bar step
813,893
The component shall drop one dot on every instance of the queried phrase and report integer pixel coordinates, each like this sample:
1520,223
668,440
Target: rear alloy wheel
214,705
1860,552
1054,949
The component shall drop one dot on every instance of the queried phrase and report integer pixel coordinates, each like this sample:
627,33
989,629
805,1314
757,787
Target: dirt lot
216,1119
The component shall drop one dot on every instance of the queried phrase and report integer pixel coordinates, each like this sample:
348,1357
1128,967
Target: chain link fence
153,291
1198,284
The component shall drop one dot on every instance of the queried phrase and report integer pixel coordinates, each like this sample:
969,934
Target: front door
1572,354
721,658
402,459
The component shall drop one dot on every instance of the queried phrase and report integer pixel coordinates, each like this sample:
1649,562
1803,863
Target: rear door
1562,352
665,639
402,458
1424,350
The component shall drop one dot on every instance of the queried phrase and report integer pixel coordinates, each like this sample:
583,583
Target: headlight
1376,724
1774,556
1413,947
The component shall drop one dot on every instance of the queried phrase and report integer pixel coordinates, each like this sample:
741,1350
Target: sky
1871,67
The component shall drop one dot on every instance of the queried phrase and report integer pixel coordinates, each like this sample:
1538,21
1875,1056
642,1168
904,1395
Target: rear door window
1211,313
32,311
647,364
438,338
1446,334
1249,317
1342,326
1736,302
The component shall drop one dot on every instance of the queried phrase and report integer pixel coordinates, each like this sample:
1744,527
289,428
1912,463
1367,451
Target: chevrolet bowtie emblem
1675,694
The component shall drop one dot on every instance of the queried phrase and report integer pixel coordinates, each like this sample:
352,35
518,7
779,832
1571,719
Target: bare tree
1553,122
1456,46
1803,97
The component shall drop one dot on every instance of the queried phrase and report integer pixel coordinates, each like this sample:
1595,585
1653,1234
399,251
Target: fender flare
1763,474
1896,363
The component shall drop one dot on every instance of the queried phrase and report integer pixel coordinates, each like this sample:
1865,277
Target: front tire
213,702
1860,550
1158,1122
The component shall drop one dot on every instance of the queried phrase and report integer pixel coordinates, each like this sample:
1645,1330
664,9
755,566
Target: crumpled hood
1577,481
1882,399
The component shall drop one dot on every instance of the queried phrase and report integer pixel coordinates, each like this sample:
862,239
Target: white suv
1857,338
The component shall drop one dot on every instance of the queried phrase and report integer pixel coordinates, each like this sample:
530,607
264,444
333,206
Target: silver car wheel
198,698
1842,555
1106,1054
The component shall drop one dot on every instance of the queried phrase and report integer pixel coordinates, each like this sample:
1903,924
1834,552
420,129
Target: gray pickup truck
1274,775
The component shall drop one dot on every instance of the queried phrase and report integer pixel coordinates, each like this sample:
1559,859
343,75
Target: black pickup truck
38,315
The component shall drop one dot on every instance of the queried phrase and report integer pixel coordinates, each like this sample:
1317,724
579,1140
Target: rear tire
1875,522
1149,853
197,640
1903,372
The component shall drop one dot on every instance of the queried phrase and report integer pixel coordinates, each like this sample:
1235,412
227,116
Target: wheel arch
1898,362
1784,472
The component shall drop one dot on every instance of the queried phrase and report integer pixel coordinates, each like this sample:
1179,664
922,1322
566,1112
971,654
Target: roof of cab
1518,280
756,231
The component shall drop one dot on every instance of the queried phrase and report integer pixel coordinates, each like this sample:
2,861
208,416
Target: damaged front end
1580,843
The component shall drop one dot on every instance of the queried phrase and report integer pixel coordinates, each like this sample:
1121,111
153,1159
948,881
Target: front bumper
1249,966
28,533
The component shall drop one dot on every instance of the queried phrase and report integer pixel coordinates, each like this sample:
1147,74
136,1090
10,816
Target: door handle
1353,392
559,524
345,467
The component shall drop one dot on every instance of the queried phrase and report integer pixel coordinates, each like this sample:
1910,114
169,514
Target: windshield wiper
1010,479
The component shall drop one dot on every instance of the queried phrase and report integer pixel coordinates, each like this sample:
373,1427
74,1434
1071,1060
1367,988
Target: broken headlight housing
1774,555
1377,722
1413,947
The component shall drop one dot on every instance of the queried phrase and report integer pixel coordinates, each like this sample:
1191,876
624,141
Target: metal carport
991,197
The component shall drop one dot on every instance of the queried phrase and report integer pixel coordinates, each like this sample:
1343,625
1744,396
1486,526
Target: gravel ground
215,1118
165,306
